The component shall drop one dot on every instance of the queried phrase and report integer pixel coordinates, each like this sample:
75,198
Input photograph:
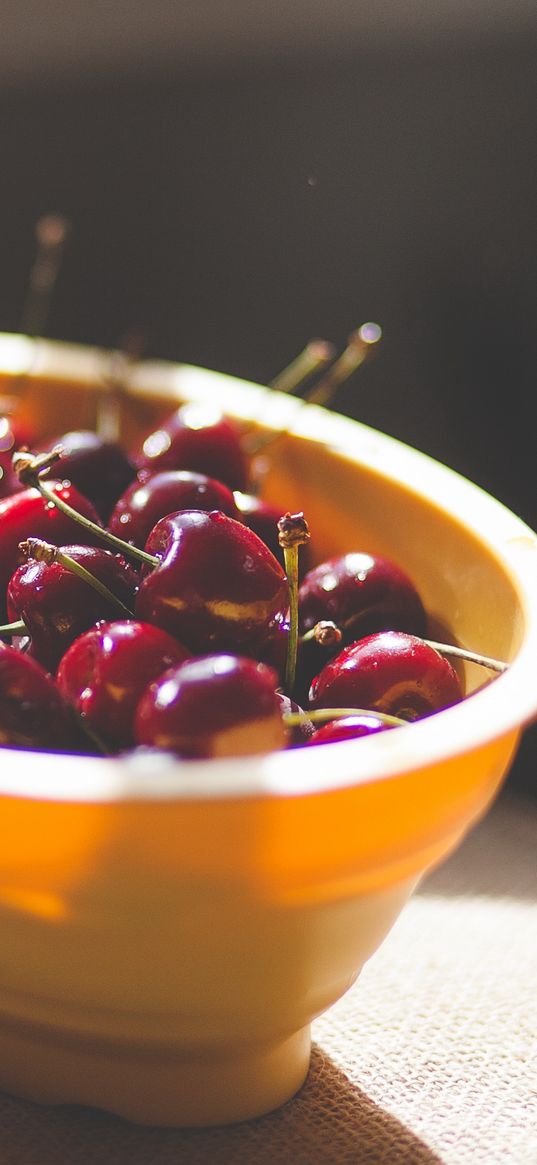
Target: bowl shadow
329,1122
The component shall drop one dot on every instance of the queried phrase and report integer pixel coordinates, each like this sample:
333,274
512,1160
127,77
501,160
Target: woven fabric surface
430,1058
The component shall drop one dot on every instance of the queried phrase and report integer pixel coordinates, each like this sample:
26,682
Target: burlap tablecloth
431,1057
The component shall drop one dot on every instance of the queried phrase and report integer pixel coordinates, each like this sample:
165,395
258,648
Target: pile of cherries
169,615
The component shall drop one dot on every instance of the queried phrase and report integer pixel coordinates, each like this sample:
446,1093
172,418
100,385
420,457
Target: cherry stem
320,715
89,733
316,355
44,552
362,343
17,628
51,234
116,379
292,532
471,656
29,468
325,633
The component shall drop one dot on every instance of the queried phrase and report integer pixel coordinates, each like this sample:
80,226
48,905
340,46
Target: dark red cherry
105,671
100,469
28,515
33,714
263,517
216,706
348,728
361,593
217,586
388,672
197,437
56,605
154,495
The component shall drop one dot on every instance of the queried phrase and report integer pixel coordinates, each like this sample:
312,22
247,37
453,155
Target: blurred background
240,178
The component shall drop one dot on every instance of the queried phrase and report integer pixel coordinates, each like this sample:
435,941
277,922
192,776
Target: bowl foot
155,1086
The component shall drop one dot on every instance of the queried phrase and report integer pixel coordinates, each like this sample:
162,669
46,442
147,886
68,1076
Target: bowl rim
509,704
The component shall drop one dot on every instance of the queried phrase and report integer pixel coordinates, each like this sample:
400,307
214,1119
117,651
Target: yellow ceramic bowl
168,931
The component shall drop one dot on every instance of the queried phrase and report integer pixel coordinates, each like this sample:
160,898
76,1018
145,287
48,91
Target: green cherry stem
471,656
360,347
315,356
90,733
292,532
321,715
51,233
10,629
29,469
115,379
44,552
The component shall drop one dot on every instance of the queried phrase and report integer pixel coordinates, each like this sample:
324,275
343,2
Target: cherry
389,672
100,469
217,587
27,514
33,714
196,437
361,593
105,671
348,728
219,705
154,495
56,605
213,583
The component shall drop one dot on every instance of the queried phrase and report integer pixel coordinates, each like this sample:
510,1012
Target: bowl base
151,1086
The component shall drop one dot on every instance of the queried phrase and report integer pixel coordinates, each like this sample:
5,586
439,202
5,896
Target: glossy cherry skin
388,672
196,437
262,517
216,706
348,728
57,606
361,593
155,495
100,469
217,586
33,714
105,671
28,515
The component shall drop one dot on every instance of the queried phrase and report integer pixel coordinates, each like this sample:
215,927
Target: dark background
234,199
